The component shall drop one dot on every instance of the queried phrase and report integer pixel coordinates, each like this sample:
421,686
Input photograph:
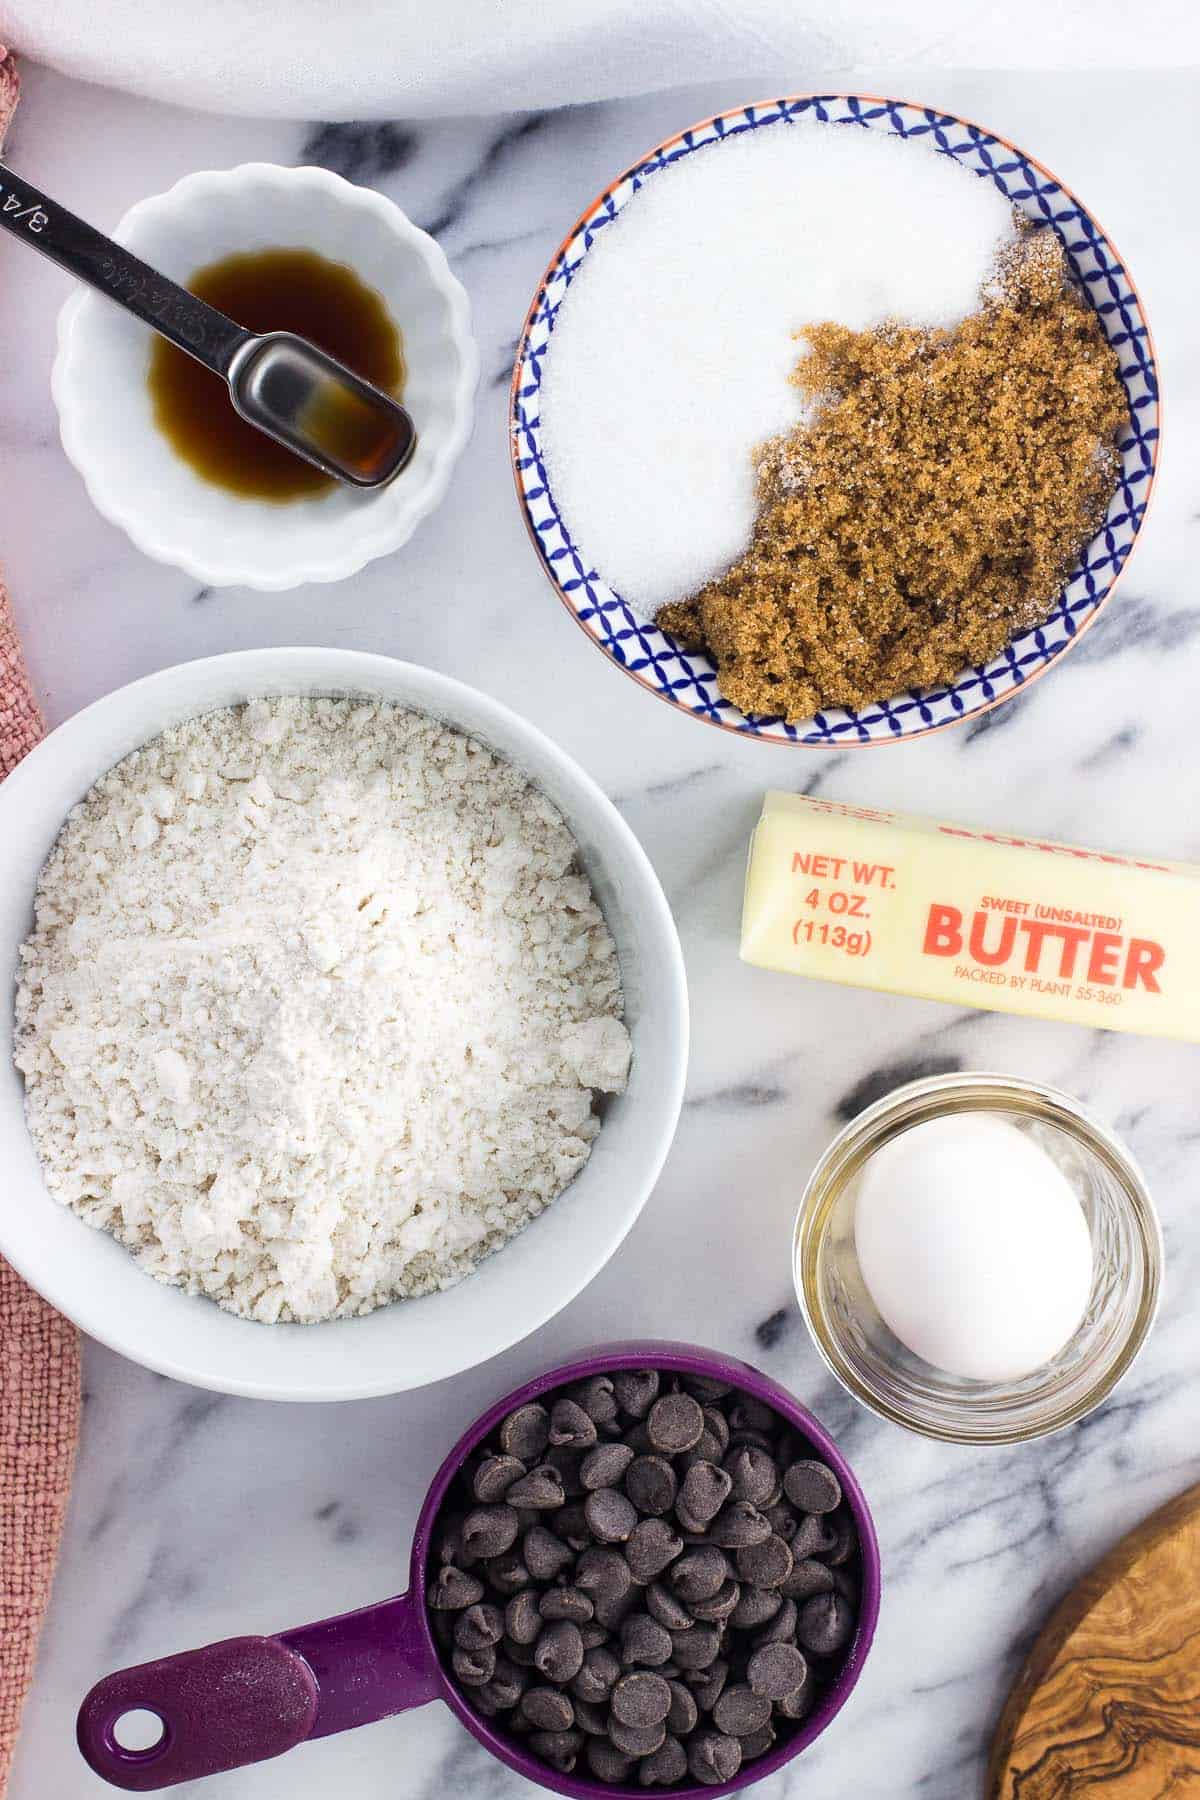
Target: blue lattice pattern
688,679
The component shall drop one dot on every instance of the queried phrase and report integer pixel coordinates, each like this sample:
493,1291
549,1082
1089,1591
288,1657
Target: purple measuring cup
249,1698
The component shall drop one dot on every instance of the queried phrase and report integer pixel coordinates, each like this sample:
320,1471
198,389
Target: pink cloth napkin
39,1350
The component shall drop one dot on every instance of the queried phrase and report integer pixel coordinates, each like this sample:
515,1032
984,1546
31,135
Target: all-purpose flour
314,1007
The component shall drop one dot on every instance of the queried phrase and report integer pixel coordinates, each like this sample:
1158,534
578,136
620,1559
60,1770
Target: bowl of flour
348,1027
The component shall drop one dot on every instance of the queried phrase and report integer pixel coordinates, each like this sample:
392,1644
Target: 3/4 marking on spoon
34,216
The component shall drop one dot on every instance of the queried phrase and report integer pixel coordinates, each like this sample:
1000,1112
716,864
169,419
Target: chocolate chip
604,1574
450,1544
454,1590
474,1667
523,1618
636,1391
591,1718
597,1398
570,1425
507,1574
548,1709
593,1635
494,1476
605,1465
545,1554
779,1630
723,1603
767,1565
717,1425
693,1529
812,1486
566,1603
610,1514
740,1711
704,1492
526,1432
505,1688
757,1744
641,1699
797,1705
813,1536
684,1713
675,1423
699,1573
748,1414
845,1539
708,1684
782,1520
706,1388
707,1448
542,1489
558,1653
807,1578
559,1748
636,1740
644,1640
570,1524
608,1763
846,1585
754,1440
662,1605
713,1757
479,1627
825,1624
697,1648
777,1670
597,1676
567,1464
652,1546
489,1531
755,1607
737,1525
520,1654
664,1766
753,1474
651,1484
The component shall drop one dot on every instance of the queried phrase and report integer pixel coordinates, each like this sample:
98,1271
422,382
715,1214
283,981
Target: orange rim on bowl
671,674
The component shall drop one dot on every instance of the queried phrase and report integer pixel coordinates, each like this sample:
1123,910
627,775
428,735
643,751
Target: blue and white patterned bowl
688,680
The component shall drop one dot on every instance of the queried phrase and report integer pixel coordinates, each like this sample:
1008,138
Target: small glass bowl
872,1363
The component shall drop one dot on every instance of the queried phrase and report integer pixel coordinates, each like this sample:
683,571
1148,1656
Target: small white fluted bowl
92,1279
131,472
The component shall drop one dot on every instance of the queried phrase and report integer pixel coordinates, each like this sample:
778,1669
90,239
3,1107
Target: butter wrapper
909,906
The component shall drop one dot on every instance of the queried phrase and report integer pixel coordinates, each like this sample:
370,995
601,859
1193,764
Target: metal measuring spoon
286,387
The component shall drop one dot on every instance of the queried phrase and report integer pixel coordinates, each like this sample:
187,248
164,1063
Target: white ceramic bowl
91,1278
134,477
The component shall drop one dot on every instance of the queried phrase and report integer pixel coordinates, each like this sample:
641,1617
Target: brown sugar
931,505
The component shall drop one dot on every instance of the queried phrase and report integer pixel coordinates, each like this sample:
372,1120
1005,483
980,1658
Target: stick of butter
877,899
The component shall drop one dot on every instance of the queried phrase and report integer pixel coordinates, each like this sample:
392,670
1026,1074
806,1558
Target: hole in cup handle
246,1699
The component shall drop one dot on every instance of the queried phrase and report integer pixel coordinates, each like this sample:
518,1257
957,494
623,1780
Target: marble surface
195,1516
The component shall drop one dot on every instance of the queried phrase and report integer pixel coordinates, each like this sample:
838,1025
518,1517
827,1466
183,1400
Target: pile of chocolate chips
646,1575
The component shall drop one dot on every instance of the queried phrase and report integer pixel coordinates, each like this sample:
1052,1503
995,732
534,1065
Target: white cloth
358,59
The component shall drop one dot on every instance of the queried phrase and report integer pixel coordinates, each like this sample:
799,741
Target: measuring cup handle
249,1698
115,271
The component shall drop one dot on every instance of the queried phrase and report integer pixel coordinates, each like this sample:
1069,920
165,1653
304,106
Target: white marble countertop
196,1517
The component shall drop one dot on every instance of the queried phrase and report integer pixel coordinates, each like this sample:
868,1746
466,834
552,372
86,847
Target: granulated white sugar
670,355
314,1006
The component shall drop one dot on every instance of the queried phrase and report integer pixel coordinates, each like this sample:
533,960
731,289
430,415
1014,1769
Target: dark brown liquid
269,290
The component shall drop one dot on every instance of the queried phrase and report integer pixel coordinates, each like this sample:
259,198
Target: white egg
973,1246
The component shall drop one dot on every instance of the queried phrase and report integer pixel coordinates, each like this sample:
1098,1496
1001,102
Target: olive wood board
1107,1706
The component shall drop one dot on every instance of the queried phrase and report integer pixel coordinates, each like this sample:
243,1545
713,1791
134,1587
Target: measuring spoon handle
112,270
250,1698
